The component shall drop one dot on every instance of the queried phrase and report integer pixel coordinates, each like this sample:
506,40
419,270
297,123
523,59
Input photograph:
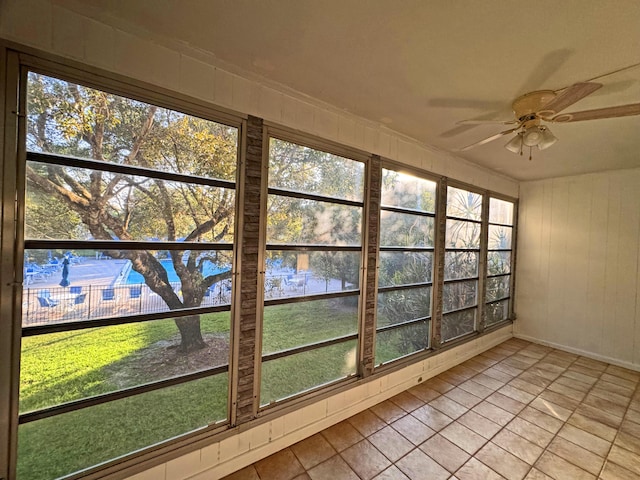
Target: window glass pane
68,285
297,373
303,169
463,204
499,237
459,295
60,367
398,342
497,312
402,305
406,191
301,222
460,265
302,323
497,288
293,274
457,324
117,283
500,211
65,118
403,268
498,263
63,444
135,208
461,234
405,230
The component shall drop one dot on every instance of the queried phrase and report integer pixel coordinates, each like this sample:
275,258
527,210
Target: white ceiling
420,66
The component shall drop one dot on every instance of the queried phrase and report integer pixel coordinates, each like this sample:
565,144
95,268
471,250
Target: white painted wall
578,275
47,25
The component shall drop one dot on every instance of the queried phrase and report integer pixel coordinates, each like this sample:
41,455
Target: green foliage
60,367
292,375
63,444
296,324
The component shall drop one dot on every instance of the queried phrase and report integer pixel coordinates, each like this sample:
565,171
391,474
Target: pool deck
88,272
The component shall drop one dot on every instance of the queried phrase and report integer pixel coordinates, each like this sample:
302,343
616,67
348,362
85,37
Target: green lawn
62,367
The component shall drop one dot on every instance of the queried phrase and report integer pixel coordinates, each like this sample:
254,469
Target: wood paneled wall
578,275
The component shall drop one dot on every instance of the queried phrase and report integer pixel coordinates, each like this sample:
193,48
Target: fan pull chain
530,154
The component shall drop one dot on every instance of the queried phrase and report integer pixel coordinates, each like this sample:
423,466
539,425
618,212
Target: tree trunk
190,334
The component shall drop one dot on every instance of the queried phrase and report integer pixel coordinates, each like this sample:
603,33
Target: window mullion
438,271
251,227
482,266
371,246
11,266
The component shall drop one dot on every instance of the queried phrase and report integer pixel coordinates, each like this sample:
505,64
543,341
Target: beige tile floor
517,411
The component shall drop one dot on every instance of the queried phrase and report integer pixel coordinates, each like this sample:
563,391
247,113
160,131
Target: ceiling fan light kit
533,108
536,136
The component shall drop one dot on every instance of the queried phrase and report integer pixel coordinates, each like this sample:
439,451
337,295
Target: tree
297,221
73,120
403,268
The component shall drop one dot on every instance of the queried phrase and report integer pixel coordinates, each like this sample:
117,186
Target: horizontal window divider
458,310
409,211
499,249
457,249
75,405
406,286
394,326
479,222
501,299
406,249
460,280
122,245
460,339
307,348
312,196
309,298
313,248
67,161
498,275
500,225
107,322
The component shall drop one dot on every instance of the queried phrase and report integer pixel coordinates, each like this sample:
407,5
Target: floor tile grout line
464,373
501,429
613,442
567,422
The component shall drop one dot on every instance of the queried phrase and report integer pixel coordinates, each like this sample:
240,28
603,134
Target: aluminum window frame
25,63
512,258
480,251
420,175
273,131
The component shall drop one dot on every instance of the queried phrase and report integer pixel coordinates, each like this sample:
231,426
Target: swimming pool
209,269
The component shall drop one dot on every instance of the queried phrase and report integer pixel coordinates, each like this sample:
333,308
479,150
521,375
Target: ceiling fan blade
483,122
489,139
568,97
608,112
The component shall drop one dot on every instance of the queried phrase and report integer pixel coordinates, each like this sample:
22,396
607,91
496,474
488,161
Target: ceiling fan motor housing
531,104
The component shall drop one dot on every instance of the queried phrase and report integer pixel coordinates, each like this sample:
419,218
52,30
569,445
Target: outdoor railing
47,305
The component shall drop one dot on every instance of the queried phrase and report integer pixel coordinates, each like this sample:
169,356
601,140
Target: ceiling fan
534,108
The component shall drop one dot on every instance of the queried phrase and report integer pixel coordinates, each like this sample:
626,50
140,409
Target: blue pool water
209,269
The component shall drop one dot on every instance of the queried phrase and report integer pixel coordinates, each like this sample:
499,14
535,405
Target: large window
405,265
312,280
129,229
461,261
153,255
499,260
